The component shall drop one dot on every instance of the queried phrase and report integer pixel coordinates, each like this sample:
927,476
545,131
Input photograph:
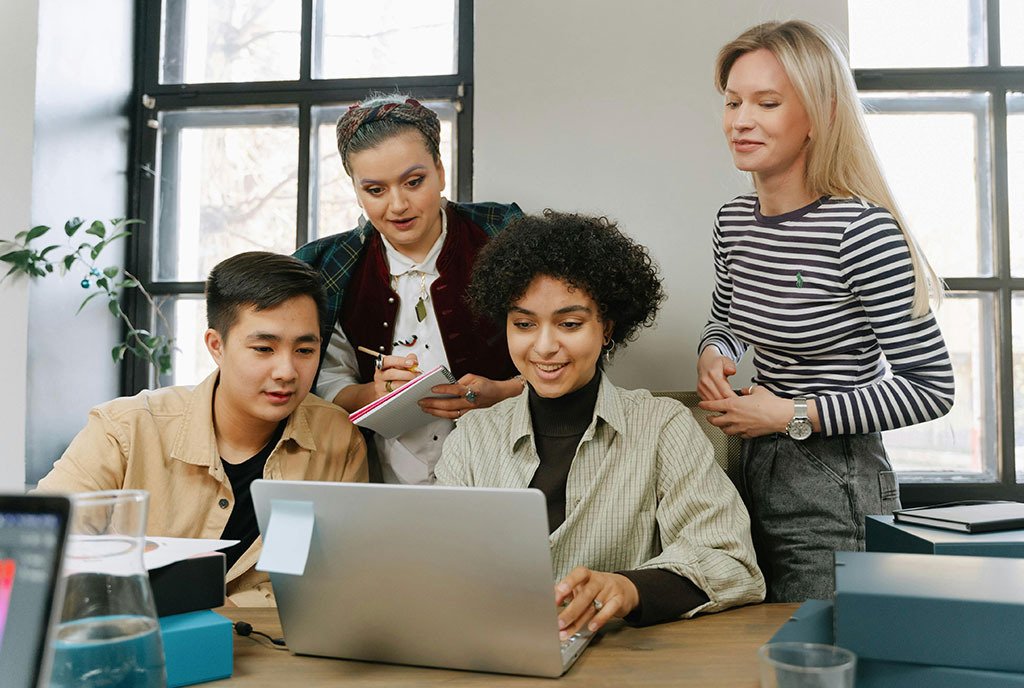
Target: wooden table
714,650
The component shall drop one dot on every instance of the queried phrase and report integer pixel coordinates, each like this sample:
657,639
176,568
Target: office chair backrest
727,447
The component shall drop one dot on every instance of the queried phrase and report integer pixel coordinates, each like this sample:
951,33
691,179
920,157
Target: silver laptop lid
433,576
32,533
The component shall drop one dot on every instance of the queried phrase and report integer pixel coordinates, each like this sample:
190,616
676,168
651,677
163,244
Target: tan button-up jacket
163,441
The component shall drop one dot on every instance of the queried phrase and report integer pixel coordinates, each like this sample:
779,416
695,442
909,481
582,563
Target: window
944,87
234,133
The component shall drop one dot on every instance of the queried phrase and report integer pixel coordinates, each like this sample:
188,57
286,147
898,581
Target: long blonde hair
841,160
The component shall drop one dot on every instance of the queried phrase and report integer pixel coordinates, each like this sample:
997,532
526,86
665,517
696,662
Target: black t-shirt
241,524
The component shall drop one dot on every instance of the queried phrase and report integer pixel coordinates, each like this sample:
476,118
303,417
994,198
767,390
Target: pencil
378,355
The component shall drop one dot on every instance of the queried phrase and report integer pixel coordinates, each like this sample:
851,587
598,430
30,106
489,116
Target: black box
189,585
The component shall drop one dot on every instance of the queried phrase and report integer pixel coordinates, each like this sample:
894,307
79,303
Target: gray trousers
808,499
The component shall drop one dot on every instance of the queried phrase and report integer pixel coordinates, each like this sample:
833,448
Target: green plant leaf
114,308
97,228
111,271
96,250
72,225
88,298
69,260
163,362
102,283
42,254
36,232
20,258
117,353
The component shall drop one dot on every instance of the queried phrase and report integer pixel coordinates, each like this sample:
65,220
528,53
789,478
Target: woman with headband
816,271
397,284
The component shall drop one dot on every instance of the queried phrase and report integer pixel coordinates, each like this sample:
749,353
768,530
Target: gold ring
388,387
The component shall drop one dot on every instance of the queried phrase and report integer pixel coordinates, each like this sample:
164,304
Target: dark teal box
884,534
198,647
812,623
931,609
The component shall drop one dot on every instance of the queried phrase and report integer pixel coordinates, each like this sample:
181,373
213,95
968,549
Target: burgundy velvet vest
370,307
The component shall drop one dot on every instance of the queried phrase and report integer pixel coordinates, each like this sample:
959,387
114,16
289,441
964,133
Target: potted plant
108,283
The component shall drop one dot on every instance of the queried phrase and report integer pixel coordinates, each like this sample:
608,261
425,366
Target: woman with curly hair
818,274
396,285
644,524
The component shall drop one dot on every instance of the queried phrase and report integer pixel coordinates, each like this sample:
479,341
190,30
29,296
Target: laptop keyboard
574,644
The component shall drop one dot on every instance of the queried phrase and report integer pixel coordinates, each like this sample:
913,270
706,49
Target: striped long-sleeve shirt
823,295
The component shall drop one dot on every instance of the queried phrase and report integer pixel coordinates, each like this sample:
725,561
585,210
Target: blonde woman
817,272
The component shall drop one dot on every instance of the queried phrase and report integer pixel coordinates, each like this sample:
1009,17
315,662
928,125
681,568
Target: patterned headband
409,112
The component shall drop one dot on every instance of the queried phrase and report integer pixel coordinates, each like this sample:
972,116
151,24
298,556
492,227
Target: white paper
286,542
161,551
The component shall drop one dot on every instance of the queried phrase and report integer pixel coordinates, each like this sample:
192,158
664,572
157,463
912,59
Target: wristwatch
800,427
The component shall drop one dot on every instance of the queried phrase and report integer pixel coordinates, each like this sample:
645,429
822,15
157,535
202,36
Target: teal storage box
931,609
884,534
198,647
812,623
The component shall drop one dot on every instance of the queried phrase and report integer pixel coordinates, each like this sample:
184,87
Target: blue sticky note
286,542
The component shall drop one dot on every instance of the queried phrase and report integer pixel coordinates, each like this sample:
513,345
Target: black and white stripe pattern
824,294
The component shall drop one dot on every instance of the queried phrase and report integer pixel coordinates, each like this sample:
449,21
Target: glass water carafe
108,635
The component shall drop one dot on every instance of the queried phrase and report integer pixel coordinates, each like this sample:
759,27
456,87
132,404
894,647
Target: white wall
17,72
608,106
78,169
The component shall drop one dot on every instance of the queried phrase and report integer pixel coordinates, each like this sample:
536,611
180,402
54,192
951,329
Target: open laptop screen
32,532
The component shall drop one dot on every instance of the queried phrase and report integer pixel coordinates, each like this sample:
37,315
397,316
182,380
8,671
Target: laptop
32,534
452,577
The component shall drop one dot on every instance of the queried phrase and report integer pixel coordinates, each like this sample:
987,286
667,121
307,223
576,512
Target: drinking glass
806,665
108,635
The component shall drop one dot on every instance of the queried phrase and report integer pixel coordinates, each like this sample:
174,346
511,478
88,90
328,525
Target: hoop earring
609,347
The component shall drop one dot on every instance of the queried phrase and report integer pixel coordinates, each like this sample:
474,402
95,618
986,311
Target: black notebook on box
966,517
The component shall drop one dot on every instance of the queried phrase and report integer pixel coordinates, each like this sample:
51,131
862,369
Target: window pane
1015,178
917,33
334,207
228,183
229,41
963,441
934,150
1018,383
386,38
1011,25
184,318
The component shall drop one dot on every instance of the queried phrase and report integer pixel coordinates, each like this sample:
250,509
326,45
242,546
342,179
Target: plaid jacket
335,257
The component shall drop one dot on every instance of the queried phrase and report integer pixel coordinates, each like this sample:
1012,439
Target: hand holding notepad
399,411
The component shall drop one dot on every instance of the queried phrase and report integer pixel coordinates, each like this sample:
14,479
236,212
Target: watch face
799,428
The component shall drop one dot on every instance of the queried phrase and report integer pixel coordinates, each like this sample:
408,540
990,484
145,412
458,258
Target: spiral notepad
399,411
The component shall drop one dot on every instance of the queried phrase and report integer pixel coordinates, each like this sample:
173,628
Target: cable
245,629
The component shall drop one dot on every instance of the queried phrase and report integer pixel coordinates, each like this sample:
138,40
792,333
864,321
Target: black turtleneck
558,427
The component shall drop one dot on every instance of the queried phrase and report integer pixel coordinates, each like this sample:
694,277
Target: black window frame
151,97
998,82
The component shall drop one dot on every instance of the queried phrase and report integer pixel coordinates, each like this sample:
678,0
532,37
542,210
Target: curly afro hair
588,253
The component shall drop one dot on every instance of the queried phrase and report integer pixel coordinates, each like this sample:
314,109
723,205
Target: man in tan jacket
197,450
